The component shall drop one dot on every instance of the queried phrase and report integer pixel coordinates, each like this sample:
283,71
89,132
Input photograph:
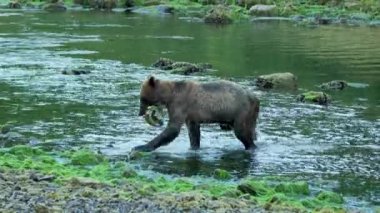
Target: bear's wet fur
193,103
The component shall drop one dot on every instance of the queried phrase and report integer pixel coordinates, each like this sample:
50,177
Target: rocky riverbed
82,181
22,192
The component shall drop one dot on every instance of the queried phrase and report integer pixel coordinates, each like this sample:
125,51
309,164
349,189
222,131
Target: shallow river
335,147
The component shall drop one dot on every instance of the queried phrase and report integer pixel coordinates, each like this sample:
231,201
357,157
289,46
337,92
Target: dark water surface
335,147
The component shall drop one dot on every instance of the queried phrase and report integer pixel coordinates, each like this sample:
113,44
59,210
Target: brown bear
193,103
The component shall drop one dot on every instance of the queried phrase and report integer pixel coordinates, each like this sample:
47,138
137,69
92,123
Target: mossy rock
86,157
285,80
219,14
222,174
163,63
102,4
334,85
129,173
298,188
315,97
254,188
330,197
181,68
55,7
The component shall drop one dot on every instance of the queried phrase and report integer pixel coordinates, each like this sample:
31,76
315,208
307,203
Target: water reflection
238,162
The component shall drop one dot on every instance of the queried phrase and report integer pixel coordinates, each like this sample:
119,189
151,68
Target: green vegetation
234,10
84,166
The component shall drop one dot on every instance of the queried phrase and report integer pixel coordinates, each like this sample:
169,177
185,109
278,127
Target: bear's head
149,94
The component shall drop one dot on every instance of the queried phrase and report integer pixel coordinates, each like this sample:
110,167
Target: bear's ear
152,81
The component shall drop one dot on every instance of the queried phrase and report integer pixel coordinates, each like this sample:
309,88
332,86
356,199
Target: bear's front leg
167,136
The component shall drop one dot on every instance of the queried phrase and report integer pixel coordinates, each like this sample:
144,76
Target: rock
165,9
83,182
247,189
333,85
183,68
163,63
218,15
375,23
285,80
249,3
263,10
324,20
5,129
14,5
315,97
351,5
222,174
82,70
55,7
41,208
86,157
330,197
12,138
128,173
98,4
136,155
38,178
129,3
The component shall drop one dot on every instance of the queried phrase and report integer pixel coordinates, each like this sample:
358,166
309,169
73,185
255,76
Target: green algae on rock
315,97
219,14
301,188
222,174
86,157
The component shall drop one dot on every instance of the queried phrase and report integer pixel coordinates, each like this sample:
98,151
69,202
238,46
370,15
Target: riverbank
35,179
309,13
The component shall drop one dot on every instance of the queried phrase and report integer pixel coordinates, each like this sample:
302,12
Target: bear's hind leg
194,134
244,131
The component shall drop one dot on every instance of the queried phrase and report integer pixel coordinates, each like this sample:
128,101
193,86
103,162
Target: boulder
219,14
263,10
284,80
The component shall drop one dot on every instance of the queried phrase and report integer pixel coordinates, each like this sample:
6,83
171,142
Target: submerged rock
334,85
263,10
219,14
183,68
315,97
284,80
82,70
5,129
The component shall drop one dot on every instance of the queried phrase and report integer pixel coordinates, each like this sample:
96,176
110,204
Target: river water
335,147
